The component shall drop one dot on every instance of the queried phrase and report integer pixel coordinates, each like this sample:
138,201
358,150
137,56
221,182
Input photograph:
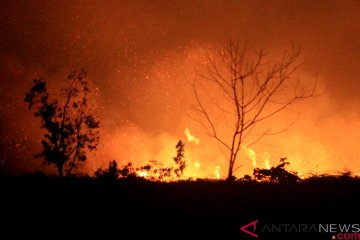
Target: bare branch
252,88
206,115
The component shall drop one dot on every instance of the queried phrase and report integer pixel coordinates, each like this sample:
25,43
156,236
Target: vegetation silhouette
205,207
276,174
152,195
252,90
154,170
70,125
180,158
111,173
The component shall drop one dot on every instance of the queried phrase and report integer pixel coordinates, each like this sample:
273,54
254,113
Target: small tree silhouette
180,158
70,125
111,173
127,170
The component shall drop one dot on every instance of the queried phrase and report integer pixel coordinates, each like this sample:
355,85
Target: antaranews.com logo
333,230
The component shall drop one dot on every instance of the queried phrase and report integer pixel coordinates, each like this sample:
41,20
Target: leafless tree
254,89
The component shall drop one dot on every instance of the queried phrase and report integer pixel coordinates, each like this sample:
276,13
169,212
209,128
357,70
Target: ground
137,207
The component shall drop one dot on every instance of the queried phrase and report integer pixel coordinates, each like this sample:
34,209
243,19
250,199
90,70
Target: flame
194,170
191,138
217,172
142,174
197,165
251,154
266,157
267,164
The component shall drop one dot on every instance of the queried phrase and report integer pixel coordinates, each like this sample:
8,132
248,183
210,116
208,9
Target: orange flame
197,165
251,154
266,157
267,164
142,174
217,172
191,138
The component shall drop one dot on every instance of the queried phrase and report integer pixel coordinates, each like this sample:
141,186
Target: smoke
142,57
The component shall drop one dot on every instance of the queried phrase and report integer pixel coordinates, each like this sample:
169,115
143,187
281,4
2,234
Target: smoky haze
141,57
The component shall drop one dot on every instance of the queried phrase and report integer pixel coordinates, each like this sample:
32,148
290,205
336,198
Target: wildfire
267,164
266,157
191,138
197,165
217,172
142,174
251,154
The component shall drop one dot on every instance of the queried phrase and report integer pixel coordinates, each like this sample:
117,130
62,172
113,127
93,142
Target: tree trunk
230,173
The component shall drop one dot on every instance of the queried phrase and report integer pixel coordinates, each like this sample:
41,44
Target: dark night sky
142,55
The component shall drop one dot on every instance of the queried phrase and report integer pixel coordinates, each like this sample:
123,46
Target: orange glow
197,165
143,174
141,78
217,172
266,157
267,164
251,154
191,138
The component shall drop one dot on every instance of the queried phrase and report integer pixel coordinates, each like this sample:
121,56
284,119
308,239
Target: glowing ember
191,138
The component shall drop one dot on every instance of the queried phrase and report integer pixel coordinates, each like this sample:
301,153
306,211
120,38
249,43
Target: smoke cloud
142,57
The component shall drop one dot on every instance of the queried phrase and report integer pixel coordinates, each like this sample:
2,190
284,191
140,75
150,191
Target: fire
251,154
142,174
197,165
217,172
267,164
193,170
266,157
191,138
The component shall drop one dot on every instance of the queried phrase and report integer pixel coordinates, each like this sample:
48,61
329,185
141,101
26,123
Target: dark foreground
134,208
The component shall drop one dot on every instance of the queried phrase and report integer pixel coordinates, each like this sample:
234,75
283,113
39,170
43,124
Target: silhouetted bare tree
69,122
253,88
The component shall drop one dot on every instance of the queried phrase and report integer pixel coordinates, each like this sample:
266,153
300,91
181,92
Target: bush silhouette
276,174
